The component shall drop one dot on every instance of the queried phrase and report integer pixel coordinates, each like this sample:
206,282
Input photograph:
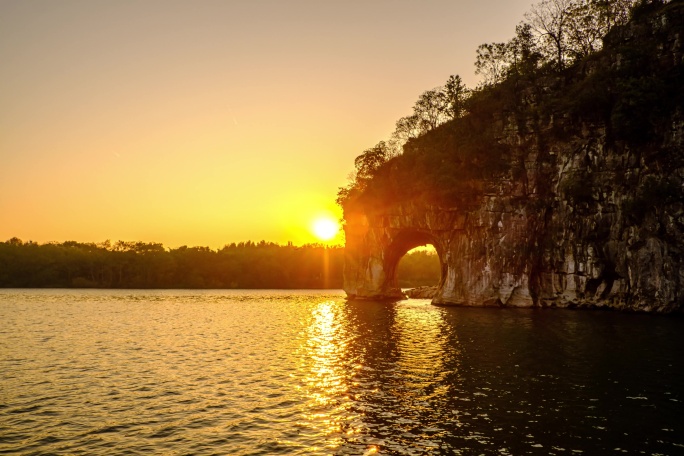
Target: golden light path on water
415,371
326,379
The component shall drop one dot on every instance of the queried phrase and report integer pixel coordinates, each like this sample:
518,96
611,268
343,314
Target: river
175,372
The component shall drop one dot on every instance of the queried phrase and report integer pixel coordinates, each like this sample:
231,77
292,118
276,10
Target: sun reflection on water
326,376
372,373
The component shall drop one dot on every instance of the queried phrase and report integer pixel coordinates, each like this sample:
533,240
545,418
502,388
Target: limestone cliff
573,199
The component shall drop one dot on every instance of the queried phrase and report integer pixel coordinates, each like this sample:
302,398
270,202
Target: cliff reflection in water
306,372
404,375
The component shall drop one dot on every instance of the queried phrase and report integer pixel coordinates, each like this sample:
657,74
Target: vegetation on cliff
569,65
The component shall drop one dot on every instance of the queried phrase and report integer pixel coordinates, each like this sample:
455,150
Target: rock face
583,220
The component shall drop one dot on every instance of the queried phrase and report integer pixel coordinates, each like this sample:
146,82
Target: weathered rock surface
425,292
567,226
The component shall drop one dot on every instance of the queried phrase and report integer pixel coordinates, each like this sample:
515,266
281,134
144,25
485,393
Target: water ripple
291,372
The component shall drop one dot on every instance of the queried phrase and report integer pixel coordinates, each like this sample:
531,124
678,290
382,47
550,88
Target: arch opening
419,267
414,259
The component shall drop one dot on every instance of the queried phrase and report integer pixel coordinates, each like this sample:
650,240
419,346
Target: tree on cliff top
557,33
366,166
433,108
517,77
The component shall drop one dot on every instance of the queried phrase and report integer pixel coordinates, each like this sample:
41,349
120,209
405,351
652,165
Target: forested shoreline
244,265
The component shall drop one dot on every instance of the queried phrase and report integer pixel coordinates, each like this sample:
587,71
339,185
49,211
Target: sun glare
325,228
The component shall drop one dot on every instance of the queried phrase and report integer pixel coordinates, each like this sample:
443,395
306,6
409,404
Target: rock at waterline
421,292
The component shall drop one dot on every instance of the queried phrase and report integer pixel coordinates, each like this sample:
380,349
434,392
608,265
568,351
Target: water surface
305,372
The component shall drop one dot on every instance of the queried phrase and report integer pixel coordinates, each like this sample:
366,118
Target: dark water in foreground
282,372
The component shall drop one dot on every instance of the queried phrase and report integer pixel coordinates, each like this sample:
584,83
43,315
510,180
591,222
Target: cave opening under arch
425,267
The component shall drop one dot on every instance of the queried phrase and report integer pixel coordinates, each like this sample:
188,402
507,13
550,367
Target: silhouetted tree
491,62
455,95
406,128
551,20
430,110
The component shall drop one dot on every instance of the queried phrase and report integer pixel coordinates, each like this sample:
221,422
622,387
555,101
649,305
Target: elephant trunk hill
555,189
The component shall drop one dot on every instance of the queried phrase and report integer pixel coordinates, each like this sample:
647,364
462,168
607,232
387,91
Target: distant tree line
122,264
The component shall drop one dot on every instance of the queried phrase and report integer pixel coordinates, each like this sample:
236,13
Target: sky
205,122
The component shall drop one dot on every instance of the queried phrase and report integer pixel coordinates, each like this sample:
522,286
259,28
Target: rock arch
377,240
403,241
376,244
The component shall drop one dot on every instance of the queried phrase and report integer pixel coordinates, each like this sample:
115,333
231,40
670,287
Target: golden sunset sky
210,122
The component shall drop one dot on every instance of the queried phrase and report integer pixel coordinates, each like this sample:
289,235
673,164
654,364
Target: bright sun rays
325,228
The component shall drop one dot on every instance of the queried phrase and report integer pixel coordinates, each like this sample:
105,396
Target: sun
325,228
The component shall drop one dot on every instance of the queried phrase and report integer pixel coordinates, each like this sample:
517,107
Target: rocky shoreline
425,292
